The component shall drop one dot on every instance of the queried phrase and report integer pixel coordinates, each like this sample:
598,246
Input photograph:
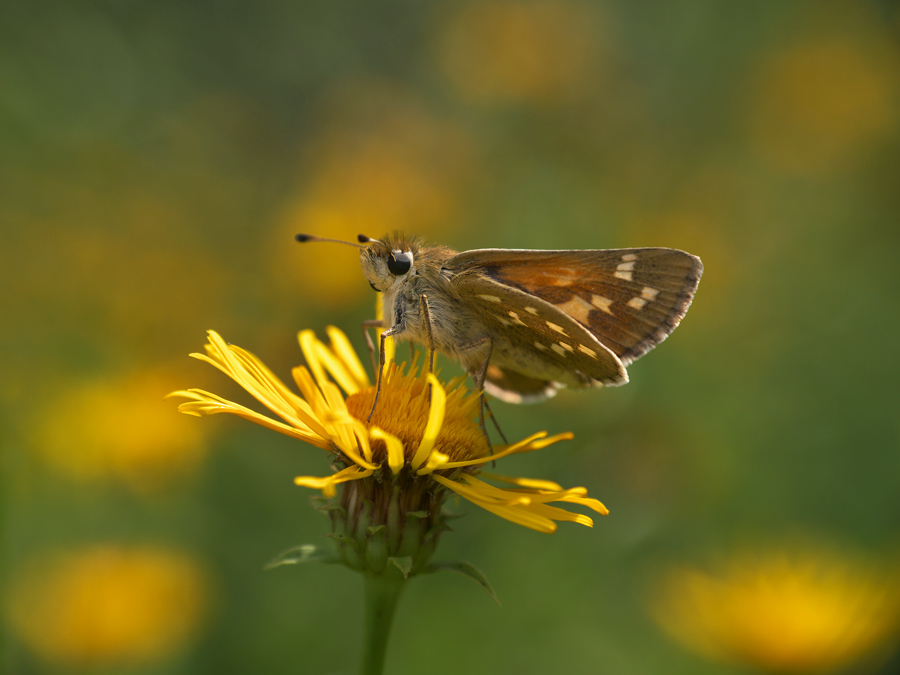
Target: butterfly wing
629,299
536,348
514,387
597,311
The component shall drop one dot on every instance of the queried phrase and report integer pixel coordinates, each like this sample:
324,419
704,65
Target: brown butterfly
525,323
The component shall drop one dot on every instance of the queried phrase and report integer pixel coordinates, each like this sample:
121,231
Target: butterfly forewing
629,299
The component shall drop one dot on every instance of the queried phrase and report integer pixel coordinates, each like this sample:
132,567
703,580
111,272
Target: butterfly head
388,261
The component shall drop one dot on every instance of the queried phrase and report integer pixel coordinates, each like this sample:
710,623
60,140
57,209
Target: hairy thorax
456,332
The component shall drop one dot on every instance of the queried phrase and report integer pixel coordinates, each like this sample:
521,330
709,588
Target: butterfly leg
366,325
493,419
429,336
381,361
480,377
426,316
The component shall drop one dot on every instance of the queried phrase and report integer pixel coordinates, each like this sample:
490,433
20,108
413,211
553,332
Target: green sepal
417,514
303,553
372,529
403,564
467,570
344,539
331,506
348,549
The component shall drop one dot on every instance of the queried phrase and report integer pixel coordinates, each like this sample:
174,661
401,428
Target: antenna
363,239
304,238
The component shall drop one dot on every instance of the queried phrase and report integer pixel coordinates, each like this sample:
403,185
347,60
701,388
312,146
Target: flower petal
204,403
307,339
503,452
341,346
436,460
435,420
327,483
395,454
525,507
533,483
336,369
230,360
512,510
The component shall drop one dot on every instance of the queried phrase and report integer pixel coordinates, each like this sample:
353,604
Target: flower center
403,412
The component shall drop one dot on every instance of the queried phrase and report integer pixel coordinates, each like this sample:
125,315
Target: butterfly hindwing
535,340
514,387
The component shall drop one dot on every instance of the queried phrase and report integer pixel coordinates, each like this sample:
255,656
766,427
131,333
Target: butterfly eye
399,263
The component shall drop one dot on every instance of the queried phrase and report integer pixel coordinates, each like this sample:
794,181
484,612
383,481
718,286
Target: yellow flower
108,604
119,428
381,161
816,106
401,465
535,52
785,611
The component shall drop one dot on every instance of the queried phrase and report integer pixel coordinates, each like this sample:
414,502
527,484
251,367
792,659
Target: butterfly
525,323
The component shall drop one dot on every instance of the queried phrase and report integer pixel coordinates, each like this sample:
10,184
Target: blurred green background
156,160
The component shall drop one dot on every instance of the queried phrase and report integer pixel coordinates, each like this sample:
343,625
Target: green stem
381,595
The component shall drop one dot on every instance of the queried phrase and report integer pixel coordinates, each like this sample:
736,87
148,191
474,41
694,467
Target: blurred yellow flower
815,106
119,429
381,162
521,52
108,605
785,610
416,442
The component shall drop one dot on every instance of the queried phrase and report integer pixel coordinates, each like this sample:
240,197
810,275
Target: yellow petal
310,391
327,483
435,420
514,510
362,437
336,369
205,403
502,452
396,456
541,444
436,460
308,341
533,483
341,346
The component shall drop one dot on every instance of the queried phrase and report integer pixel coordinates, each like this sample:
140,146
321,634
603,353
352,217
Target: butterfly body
527,323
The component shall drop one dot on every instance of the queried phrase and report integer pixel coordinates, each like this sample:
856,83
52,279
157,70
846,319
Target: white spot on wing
490,298
636,302
576,307
567,347
587,350
553,326
649,293
531,310
516,319
543,348
623,270
602,303
628,257
558,349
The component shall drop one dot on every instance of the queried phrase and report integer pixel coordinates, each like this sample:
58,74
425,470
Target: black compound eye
399,263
